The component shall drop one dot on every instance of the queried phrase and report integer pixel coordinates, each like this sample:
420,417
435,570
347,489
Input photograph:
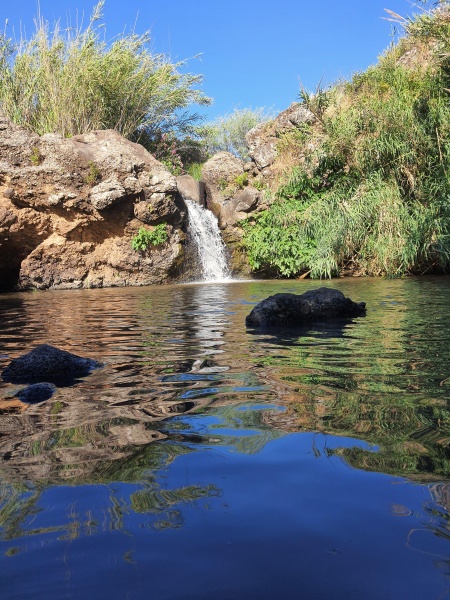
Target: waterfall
211,250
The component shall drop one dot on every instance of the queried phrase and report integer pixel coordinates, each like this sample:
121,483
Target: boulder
262,145
297,310
192,189
262,140
221,169
293,116
69,208
48,364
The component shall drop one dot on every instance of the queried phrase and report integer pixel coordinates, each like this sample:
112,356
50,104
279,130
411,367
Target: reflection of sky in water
275,465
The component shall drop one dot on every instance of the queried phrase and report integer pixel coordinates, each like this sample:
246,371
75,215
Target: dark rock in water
297,310
37,392
49,364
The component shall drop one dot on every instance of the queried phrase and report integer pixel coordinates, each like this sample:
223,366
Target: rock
293,116
37,392
262,140
192,189
262,144
68,221
221,170
46,363
296,310
106,193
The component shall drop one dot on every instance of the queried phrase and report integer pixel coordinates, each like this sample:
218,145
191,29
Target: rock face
230,194
192,189
262,140
296,310
230,198
46,363
69,209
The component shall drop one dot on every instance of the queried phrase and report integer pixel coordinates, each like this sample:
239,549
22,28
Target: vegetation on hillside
368,190
227,132
71,81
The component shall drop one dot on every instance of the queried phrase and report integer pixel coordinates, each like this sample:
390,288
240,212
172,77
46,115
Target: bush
72,82
154,237
372,194
227,133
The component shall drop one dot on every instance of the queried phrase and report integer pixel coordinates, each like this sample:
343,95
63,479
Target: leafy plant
94,175
227,133
154,237
371,192
35,156
241,181
195,170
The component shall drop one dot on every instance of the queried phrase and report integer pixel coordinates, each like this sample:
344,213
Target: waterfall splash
211,250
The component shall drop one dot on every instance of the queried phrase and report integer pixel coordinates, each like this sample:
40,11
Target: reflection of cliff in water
182,350
385,381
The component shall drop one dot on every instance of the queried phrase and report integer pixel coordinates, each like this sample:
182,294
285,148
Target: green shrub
154,237
227,133
71,81
241,181
35,156
372,195
93,175
195,170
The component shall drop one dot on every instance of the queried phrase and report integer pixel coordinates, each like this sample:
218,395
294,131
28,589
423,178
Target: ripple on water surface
271,456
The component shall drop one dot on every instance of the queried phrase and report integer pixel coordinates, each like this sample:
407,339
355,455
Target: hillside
364,187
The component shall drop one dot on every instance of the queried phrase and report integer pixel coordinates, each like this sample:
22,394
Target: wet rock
296,310
192,189
46,363
37,392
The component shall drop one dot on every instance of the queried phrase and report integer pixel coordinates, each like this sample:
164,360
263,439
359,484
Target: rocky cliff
69,209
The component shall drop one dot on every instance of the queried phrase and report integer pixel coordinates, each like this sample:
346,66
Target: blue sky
253,52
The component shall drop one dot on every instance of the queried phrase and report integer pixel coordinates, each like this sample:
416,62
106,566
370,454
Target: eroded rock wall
69,209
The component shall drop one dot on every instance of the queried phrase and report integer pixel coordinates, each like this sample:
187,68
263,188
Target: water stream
210,249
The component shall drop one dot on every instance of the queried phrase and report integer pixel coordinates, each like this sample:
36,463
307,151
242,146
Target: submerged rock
46,363
293,309
37,392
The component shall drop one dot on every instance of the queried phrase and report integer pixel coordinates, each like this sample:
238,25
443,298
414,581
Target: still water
207,462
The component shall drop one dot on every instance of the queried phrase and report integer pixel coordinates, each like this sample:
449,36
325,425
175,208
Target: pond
206,461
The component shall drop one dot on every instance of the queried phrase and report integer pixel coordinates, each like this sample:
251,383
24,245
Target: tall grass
71,81
373,196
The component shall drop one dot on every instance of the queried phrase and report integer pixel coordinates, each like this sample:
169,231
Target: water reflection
192,413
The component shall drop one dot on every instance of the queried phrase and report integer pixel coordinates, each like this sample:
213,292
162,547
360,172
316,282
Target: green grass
372,194
72,81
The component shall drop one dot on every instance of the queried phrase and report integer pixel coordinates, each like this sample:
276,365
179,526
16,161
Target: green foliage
35,157
71,81
154,237
195,170
93,175
227,133
165,149
372,195
241,181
